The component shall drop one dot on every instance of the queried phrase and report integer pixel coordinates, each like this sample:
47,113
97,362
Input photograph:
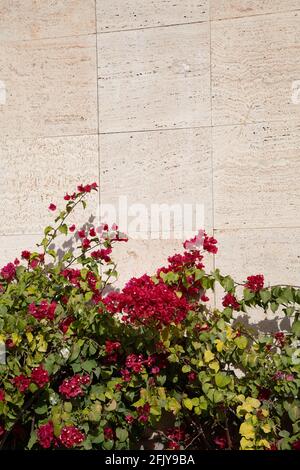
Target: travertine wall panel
256,170
163,167
254,65
162,101
272,252
221,9
51,87
154,78
136,14
35,172
35,19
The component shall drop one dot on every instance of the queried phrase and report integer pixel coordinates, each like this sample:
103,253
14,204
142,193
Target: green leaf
241,342
186,369
222,380
265,295
227,283
289,311
32,440
122,434
218,396
42,409
199,273
187,402
248,295
63,229
107,445
68,406
48,230
89,365
296,328
274,306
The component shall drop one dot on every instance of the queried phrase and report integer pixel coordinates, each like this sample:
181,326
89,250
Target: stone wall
187,101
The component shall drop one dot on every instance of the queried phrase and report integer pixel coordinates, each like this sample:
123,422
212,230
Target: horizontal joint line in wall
153,27
270,13
239,124
49,38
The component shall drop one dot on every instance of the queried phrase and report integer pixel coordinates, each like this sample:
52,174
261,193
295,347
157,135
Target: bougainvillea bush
89,367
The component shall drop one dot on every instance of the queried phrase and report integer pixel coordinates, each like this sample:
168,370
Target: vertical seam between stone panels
211,138
98,120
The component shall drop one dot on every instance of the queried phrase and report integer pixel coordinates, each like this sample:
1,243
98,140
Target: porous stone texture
162,102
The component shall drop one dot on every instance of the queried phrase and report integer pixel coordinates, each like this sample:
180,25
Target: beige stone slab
221,9
275,253
12,246
154,78
31,19
169,168
256,175
134,14
137,257
35,172
272,252
50,86
254,69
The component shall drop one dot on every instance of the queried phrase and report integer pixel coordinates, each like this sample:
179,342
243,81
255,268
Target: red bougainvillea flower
129,419
135,362
8,272
2,430
2,394
71,436
264,394
209,244
40,376
65,324
72,387
143,412
21,382
102,254
16,262
52,207
280,338
87,188
108,433
192,376
92,232
178,261
72,228
45,435
273,446
86,243
196,242
204,327
92,281
126,375
296,445
9,343
81,233
111,346
144,302
72,275
176,434
25,254
230,301
34,263
255,283
172,445
204,298
44,310
221,442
